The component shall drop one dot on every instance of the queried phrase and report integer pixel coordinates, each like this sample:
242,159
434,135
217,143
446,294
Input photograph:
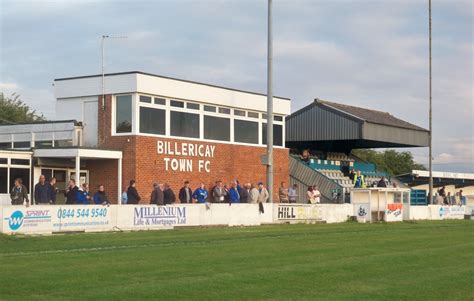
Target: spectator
306,157
283,193
359,181
185,194
316,195
253,194
352,175
219,193
200,195
132,194
262,193
124,198
157,196
227,194
448,199
72,193
382,183
100,197
234,196
244,193
54,190
84,197
19,193
42,191
310,195
462,201
293,194
168,195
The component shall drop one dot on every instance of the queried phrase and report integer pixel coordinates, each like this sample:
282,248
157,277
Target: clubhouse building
147,128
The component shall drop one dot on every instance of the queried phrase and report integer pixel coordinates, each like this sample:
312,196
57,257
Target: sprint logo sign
16,220
26,220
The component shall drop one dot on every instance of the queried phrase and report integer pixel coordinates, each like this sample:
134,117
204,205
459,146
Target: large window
216,128
184,124
246,131
3,180
152,121
277,134
22,173
123,114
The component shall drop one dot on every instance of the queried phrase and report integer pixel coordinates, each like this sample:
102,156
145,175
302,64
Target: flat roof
44,122
166,77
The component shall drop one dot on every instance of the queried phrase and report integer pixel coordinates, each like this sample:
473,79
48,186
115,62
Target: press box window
178,104
3,161
152,121
160,101
5,145
277,134
48,143
19,162
216,128
252,115
184,124
123,114
278,118
239,113
224,110
192,106
210,108
246,131
145,99
21,144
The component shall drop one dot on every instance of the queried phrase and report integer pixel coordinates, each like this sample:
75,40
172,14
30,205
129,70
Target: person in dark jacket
54,189
132,193
244,193
100,197
185,194
157,196
19,193
72,193
168,195
200,195
382,183
42,191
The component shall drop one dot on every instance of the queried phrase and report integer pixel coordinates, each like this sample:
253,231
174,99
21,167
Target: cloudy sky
366,53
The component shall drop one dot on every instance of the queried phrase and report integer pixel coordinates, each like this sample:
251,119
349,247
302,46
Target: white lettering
208,166
191,150
174,164
160,147
176,149
212,147
184,149
167,160
200,164
201,150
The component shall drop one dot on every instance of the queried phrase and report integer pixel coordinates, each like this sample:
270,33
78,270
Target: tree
390,161
13,110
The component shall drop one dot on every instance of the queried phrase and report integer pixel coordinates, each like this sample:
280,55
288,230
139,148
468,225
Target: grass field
402,261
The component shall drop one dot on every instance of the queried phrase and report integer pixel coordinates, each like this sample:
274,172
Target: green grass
401,261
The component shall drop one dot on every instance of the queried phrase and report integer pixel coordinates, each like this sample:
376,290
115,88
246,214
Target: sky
369,53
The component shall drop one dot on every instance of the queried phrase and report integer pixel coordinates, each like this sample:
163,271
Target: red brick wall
142,162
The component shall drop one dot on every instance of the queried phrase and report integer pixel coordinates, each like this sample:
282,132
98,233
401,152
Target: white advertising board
26,220
81,218
362,212
297,212
394,212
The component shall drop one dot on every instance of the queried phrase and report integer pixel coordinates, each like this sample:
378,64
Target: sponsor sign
362,211
159,216
18,219
394,213
81,218
297,212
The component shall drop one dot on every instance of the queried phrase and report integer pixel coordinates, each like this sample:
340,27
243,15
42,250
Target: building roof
76,123
329,126
165,77
370,115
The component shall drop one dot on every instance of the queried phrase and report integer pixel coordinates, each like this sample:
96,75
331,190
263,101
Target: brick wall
142,162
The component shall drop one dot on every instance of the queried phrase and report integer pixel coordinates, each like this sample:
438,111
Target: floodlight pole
104,37
430,114
269,106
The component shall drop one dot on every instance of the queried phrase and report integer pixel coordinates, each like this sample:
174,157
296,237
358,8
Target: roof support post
119,181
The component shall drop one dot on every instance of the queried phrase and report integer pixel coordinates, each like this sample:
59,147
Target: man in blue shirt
200,194
234,194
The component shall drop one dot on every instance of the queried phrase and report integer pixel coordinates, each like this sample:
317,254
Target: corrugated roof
372,116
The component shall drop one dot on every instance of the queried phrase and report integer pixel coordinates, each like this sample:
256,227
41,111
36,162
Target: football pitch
350,261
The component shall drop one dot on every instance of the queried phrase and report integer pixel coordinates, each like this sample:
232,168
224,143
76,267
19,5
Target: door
60,175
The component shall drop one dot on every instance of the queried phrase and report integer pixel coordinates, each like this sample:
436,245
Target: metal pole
430,115
270,106
103,71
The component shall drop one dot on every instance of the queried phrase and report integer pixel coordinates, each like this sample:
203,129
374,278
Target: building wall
143,163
